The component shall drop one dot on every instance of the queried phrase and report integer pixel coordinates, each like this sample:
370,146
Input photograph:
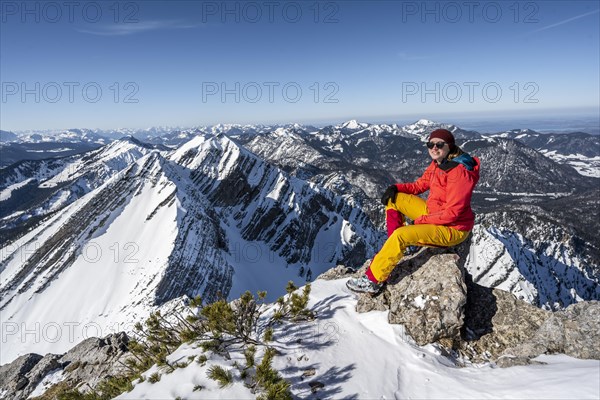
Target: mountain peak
423,127
281,131
6,136
426,122
354,124
132,140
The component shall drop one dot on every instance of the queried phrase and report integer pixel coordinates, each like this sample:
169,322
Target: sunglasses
439,145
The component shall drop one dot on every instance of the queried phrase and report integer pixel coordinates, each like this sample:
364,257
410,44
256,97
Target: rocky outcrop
432,311
14,376
86,364
515,331
437,302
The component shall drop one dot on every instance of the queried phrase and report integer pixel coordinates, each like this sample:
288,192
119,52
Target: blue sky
137,64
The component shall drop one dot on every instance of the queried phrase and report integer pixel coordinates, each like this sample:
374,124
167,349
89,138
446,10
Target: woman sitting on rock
445,219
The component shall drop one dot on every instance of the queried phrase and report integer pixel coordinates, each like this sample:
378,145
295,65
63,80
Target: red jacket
450,188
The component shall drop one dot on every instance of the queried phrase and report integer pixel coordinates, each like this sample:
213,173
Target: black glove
389,194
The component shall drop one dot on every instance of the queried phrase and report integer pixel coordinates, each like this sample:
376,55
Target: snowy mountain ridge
32,190
579,150
213,205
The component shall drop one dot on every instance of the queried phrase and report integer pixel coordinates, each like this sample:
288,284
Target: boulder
426,293
501,328
430,302
96,358
339,272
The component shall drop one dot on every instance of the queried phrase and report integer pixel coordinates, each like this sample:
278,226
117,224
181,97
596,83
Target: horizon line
475,116
379,120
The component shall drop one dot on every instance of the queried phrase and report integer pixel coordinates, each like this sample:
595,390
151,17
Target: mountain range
578,149
103,237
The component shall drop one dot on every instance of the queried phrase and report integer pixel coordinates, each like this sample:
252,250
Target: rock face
95,358
89,362
500,327
437,302
430,301
14,376
496,320
573,331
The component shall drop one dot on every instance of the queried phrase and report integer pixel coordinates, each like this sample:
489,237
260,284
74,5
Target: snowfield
587,166
361,356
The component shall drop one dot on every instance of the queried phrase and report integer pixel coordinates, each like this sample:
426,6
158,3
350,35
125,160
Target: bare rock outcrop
14,376
88,363
573,331
430,301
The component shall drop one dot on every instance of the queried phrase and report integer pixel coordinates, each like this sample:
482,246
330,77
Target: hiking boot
364,285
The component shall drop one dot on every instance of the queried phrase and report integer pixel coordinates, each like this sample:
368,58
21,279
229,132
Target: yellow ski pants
410,235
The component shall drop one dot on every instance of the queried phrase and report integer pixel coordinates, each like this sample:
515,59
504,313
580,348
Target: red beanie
443,134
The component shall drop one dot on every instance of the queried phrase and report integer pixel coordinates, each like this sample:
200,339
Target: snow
280,184
52,378
354,124
117,268
68,172
346,233
336,148
58,201
256,266
425,122
59,150
420,301
7,193
525,194
15,254
586,166
182,381
256,174
363,356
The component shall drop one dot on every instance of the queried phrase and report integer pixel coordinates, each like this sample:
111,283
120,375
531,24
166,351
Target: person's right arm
419,186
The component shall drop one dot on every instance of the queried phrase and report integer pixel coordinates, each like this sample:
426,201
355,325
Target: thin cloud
138,27
566,21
